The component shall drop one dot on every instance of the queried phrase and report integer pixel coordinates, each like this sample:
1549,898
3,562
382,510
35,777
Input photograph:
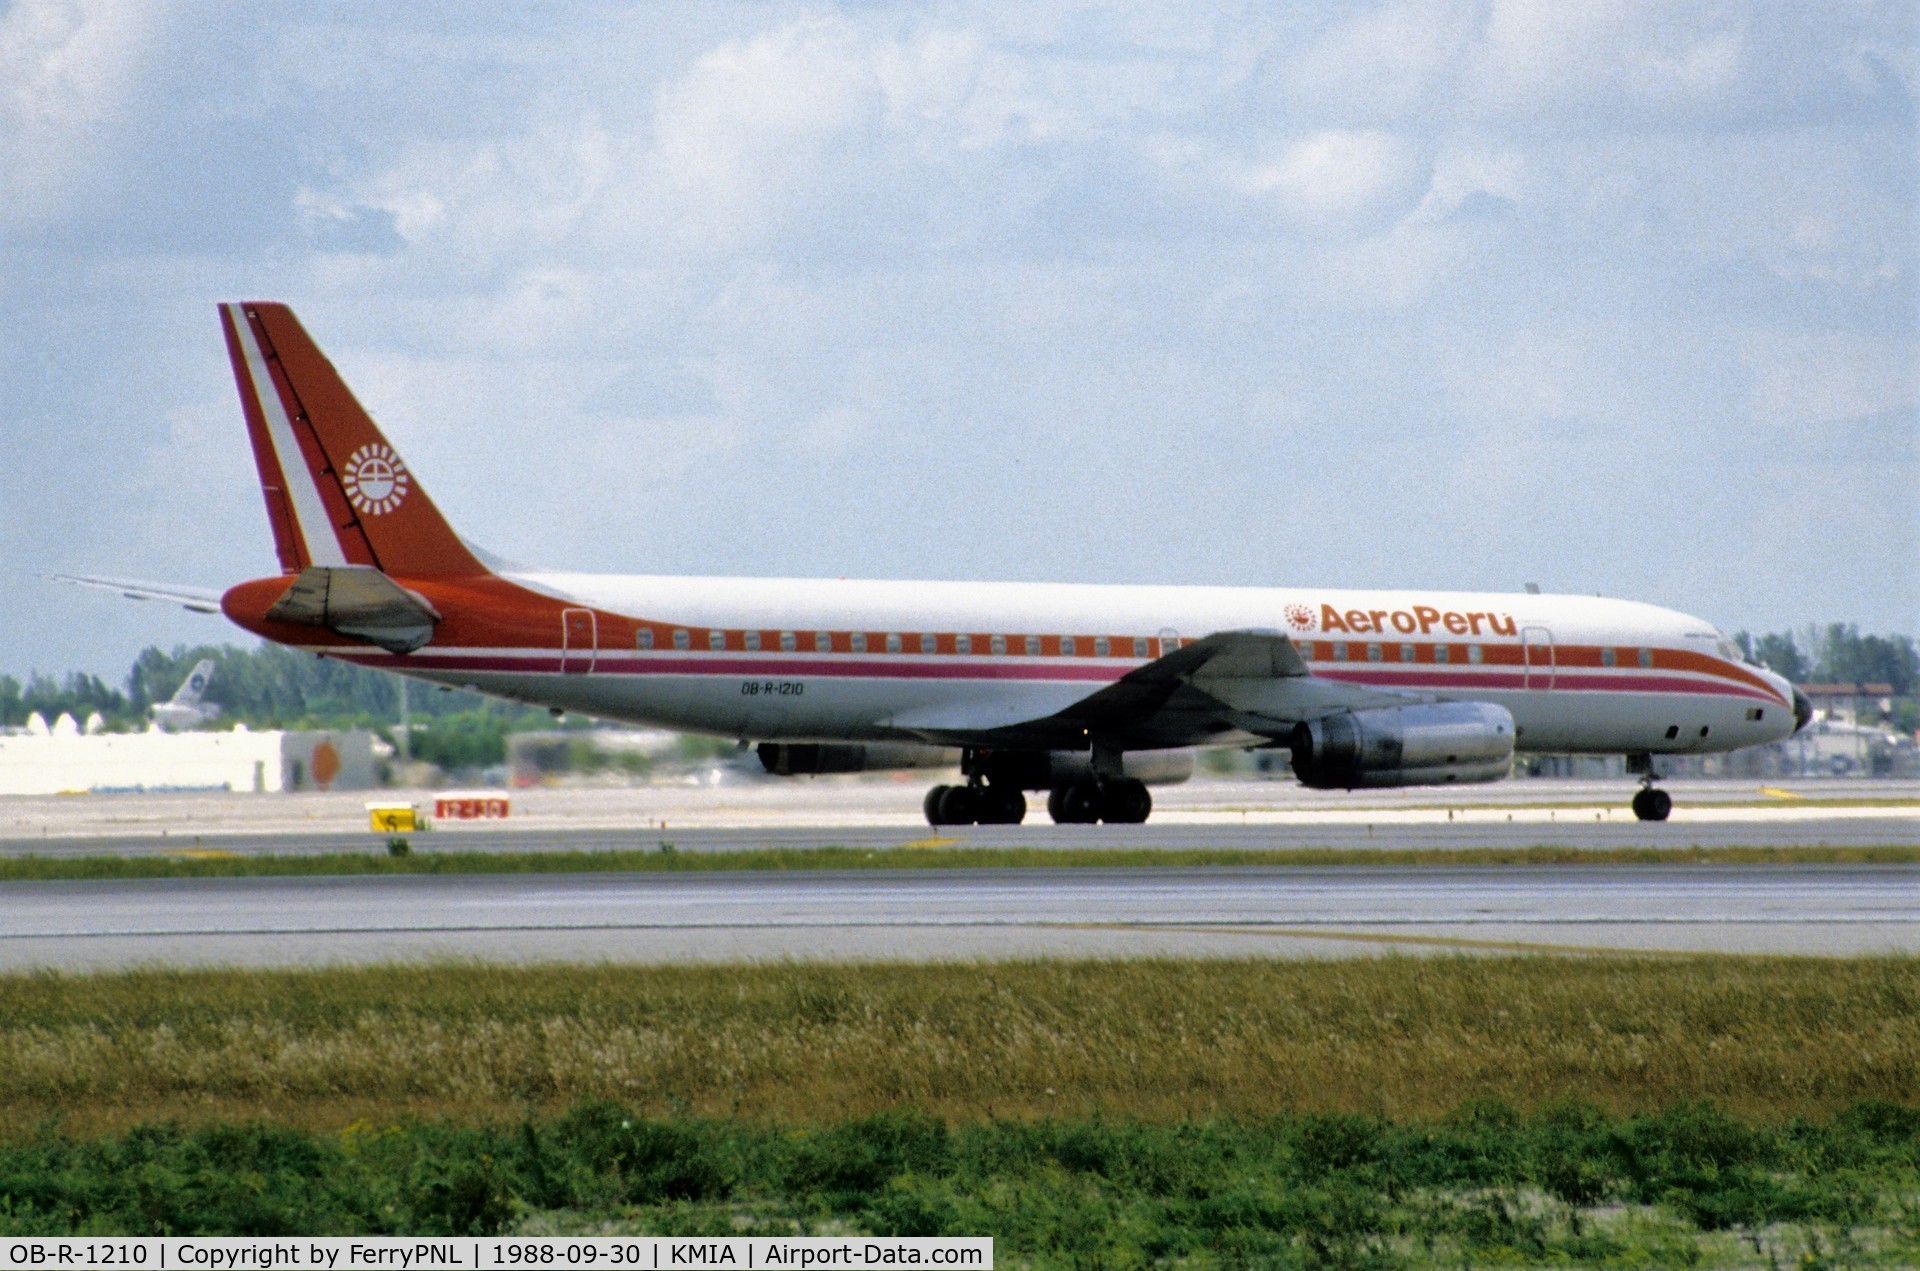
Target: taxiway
941,914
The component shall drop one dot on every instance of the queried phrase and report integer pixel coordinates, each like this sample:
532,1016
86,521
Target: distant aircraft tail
337,494
188,694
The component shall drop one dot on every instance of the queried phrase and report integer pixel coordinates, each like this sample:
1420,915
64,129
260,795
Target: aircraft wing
1230,683
198,599
1247,681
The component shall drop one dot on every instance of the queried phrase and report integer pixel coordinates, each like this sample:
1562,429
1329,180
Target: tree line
1837,654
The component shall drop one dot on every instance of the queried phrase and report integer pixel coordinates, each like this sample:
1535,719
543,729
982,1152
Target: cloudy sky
1616,297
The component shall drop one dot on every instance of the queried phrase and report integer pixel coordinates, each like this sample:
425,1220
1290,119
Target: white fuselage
814,660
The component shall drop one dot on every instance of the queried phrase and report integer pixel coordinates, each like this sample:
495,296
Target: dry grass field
1159,1041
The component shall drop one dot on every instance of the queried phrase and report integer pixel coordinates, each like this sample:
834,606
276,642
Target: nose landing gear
1650,803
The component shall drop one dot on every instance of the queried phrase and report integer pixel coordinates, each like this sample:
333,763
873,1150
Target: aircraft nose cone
1802,710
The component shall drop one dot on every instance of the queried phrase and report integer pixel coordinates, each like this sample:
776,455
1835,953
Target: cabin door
1536,652
579,641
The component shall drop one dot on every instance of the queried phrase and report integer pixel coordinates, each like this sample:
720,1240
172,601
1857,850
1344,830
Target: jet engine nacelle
807,759
1425,745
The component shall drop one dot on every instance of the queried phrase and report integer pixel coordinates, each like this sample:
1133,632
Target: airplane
1085,692
185,709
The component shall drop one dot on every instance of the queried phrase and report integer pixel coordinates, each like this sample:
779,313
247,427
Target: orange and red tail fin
336,492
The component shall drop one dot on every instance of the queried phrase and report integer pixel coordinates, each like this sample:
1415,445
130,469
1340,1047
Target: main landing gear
1122,801
1650,803
1118,801
995,780
975,804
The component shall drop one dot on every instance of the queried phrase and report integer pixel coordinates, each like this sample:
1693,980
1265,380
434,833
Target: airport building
64,760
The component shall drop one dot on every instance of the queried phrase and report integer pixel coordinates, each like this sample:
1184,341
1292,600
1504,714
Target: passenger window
716,640
823,641
1139,646
643,638
753,642
1673,730
682,640
1033,646
1646,657
998,644
1066,646
1606,657
1756,714
857,642
929,643
1476,654
1101,647
1442,652
1374,652
1406,653
789,642
963,644
893,642
1339,650
1306,650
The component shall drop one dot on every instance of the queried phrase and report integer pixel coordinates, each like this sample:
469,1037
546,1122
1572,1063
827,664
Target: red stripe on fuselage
547,662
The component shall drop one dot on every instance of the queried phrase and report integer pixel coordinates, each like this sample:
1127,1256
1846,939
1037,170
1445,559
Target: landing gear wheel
1076,804
1002,805
1125,802
931,804
959,805
1650,803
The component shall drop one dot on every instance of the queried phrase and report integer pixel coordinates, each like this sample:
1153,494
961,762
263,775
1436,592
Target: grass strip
664,857
1690,1185
1152,1040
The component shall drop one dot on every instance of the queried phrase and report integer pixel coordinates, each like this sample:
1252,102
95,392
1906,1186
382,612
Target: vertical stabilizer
191,688
337,493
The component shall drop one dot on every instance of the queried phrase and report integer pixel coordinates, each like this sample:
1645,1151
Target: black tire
931,804
1002,805
960,805
1126,803
1080,803
1055,809
1652,804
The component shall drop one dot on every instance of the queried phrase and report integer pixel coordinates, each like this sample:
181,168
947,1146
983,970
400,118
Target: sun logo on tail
376,479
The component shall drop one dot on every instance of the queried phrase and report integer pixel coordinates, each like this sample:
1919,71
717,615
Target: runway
804,813
1217,912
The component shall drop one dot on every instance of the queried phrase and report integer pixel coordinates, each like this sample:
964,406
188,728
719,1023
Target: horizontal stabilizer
358,601
198,599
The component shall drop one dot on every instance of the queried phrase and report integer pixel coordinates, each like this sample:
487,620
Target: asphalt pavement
940,914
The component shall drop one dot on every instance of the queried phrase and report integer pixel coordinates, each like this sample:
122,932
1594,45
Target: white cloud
1337,178
1386,63
1805,379
68,73
1584,52
1472,178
